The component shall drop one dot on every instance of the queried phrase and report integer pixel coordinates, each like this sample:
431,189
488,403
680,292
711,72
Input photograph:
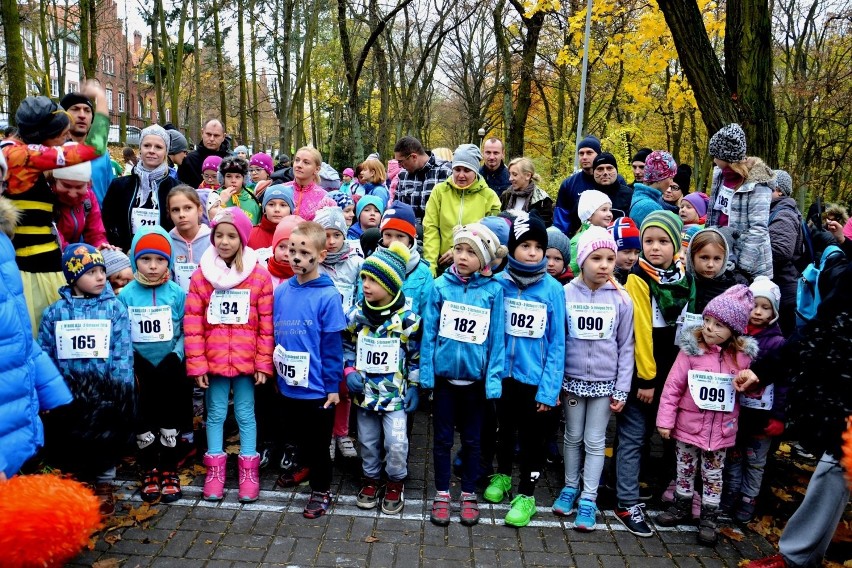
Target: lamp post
581,110
481,133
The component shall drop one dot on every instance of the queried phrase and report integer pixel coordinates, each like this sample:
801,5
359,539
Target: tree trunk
88,38
155,53
533,25
16,73
45,48
255,118
241,71
506,78
177,65
196,126
220,66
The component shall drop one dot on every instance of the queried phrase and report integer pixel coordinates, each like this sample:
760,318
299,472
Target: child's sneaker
368,497
499,488
318,505
744,513
150,491
586,516
394,499
214,483
293,478
564,504
170,487
523,509
633,519
469,510
347,447
441,509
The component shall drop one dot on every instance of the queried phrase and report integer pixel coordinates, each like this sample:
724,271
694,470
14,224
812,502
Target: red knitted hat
153,243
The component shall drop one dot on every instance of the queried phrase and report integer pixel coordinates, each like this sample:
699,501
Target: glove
774,428
411,399
354,382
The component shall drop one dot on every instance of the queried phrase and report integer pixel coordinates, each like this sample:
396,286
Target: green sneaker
499,487
523,509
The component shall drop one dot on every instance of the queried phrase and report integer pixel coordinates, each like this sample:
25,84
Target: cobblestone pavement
272,532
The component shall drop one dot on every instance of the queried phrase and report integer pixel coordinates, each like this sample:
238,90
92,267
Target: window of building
139,110
109,99
120,102
73,87
54,87
73,51
150,107
168,115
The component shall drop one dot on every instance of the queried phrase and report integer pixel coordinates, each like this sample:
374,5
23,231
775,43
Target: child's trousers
165,397
372,425
518,417
586,419
310,426
712,464
745,464
460,405
217,409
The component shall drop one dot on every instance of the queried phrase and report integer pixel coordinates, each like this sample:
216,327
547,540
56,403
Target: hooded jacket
81,222
753,421
452,359
169,294
418,283
708,288
450,206
646,200
785,238
537,361
705,429
31,383
344,274
188,254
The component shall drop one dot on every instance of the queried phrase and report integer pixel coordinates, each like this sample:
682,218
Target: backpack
808,295
804,254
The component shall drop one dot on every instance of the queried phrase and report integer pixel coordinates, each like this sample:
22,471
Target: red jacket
81,222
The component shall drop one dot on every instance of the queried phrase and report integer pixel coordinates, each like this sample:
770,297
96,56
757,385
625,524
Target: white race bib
292,366
525,319
712,391
150,323
140,217
183,272
347,292
377,354
229,307
723,200
762,402
590,321
657,319
263,254
83,339
464,323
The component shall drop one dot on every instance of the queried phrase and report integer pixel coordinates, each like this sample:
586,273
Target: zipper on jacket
77,234
514,339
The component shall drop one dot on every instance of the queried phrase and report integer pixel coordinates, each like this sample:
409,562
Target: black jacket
189,172
118,203
620,194
785,237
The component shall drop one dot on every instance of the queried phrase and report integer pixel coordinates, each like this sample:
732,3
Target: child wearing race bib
234,192
309,362
155,305
626,235
594,209
710,261
463,356
228,340
534,309
118,271
368,214
762,413
699,407
598,370
277,205
190,236
87,334
381,351
660,289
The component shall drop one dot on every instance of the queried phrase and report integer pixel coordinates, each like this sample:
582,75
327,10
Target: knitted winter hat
590,201
332,218
279,191
263,161
625,233
556,239
732,307
783,182
77,172
72,99
665,220
368,200
482,240
241,150
211,163
400,217
349,172
159,132
527,227
604,158
467,156
763,287
343,200
659,165
177,142
592,239
115,261
641,155
285,228
590,142
387,267
39,118
79,258
153,242
729,144
683,177
699,201
500,224
233,165
236,217
687,234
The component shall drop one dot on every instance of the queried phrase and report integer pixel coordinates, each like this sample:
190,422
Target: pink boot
249,467
214,483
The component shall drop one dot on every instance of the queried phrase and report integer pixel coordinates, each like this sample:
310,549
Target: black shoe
633,519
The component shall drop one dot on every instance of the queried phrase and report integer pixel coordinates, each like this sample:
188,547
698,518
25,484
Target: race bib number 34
525,319
151,323
590,321
464,323
229,307
83,339
712,391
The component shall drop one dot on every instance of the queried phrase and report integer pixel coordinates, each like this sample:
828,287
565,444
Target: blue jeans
371,426
586,419
216,399
745,464
463,406
633,427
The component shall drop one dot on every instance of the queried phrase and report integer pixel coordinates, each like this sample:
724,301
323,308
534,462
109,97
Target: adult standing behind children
212,136
523,192
308,196
493,170
421,172
567,201
82,112
608,181
660,169
786,236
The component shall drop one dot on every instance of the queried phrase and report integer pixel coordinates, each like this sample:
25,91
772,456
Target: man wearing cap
81,110
494,171
638,164
605,172
421,172
178,149
212,139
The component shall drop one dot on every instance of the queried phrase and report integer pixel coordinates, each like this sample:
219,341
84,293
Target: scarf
224,277
514,194
149,182
142,279
731,179
377,315
671,287
525,275
455,272
279,268
332,258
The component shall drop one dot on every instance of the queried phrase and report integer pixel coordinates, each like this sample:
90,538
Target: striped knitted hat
667,221
153,243
387,267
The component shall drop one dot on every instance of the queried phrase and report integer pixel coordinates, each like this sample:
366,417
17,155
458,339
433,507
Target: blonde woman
524,193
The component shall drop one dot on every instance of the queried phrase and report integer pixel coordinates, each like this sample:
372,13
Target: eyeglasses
255,170
210,177
674,187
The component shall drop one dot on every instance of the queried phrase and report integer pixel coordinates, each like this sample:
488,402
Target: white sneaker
347,447
331,449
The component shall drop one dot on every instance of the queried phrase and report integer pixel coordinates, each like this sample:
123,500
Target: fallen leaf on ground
781,494
208,541
371,538
232,449
732,534
107,563
784,448
142,513
112,538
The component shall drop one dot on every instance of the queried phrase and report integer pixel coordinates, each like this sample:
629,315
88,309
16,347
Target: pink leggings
341,412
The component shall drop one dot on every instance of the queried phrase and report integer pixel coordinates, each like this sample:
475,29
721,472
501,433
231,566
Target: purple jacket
769,340
706,429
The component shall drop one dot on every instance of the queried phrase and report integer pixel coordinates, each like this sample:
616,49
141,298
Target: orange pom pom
846,460
45,520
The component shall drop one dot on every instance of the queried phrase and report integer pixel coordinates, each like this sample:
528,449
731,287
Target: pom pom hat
78,259
483,241
387,267
763,287
590,201
732,307
400,217
592,239
236,217
626,234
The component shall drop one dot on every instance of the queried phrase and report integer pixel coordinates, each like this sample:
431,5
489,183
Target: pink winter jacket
309,200
223,349
706,429
81,221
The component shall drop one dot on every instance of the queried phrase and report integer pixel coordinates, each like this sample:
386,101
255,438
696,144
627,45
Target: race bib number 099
712,391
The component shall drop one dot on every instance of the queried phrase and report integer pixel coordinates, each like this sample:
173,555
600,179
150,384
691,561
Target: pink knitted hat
592,239
732,307
236,217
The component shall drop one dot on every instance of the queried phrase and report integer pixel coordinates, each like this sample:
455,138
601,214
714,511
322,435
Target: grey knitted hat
729,144
783,182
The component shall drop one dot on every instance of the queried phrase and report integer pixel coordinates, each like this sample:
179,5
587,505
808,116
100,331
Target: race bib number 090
465,323
590,321
712,391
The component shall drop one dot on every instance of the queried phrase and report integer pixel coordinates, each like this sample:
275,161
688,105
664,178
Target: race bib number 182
465,323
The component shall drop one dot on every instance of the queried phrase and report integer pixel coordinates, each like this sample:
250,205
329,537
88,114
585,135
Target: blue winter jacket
568,199
166,294
646,200
538,361
29,381
452,359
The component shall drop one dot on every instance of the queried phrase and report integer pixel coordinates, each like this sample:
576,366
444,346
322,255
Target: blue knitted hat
279,191
78,259
368,200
